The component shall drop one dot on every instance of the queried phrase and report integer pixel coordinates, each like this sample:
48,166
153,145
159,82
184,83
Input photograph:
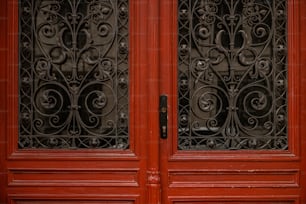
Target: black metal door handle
163,116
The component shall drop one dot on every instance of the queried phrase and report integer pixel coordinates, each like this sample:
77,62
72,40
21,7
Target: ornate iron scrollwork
232,74
73,74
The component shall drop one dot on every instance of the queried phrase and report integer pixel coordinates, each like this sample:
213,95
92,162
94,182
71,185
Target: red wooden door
150,169
62,162
204,160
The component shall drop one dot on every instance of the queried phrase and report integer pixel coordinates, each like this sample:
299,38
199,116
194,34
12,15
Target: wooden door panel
82,195
237,202
37,175
72,177
72,202
237,176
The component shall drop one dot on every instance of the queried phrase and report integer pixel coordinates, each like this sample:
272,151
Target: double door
142,102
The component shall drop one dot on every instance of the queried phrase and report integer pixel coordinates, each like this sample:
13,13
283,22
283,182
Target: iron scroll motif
73,73
232,74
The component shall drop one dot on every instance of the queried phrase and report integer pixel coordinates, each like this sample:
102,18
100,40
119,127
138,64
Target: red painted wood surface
152,171
3,109
80,176
152,77
301,95
235,176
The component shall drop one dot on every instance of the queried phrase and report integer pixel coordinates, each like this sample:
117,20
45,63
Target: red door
233,75
72,126
225,144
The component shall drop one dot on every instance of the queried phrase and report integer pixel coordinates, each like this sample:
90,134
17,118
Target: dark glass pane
232,74
73,73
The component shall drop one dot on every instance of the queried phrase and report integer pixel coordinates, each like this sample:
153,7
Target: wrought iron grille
232,74
73,74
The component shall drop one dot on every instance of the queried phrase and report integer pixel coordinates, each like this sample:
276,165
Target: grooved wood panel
233,202
72,178
242,178
73,202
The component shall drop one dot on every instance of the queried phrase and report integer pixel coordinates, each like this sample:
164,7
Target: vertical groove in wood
12,77
153,178
293,71
137,66
3,104
300,5
139,69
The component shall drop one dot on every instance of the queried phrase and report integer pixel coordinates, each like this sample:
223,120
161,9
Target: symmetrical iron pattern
232,74
73,73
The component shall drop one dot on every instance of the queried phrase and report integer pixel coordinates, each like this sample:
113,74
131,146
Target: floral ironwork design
73,74
232,74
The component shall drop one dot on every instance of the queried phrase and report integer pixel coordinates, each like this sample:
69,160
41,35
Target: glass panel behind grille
232,74
73,73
